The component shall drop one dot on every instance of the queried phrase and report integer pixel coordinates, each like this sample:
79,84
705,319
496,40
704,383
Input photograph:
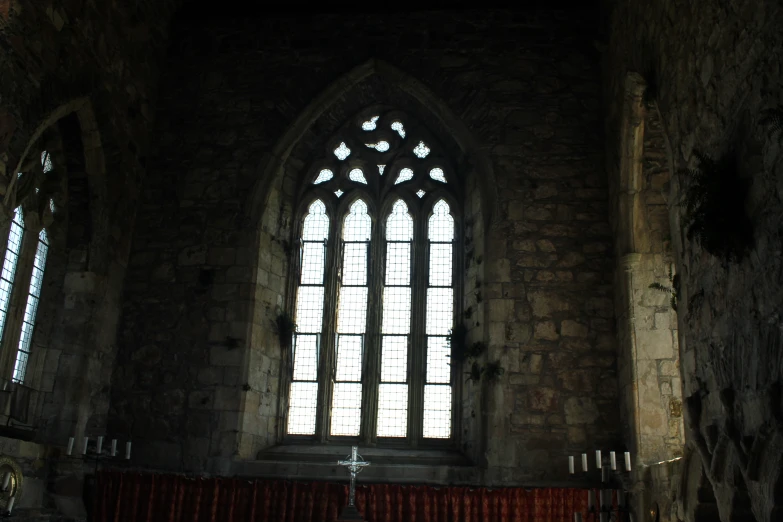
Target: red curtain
136,497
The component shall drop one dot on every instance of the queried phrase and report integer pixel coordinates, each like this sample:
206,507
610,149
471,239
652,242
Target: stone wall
713,68
198,353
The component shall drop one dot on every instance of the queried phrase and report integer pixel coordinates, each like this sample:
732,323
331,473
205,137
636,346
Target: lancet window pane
351,323
439,322
31,307
396,324
309,321
15,235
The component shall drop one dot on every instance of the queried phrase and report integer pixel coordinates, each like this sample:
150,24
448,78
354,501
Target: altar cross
355,464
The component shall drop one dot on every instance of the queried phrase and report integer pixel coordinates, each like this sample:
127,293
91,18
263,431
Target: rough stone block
545,331
543,399
544,304
194,255
569,328
654,344
222,356
580,410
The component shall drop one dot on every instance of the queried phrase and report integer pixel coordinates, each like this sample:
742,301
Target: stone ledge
319,462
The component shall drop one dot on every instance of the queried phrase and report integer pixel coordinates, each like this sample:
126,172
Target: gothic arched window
24,262
376,288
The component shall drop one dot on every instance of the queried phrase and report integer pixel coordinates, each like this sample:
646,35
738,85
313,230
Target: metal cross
355,464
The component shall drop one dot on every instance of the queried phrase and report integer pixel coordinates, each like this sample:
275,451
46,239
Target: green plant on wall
773,119
714,203
286,328
462,352
672,290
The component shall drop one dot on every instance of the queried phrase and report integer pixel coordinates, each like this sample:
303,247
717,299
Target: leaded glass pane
437,411
396,310
394,358
302,404
438,360
352,309
306,357
354,264
398,264
441,261
441,224
392,410
316,223
346,409
440,310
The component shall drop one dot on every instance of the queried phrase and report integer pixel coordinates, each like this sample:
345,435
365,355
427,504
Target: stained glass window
381,292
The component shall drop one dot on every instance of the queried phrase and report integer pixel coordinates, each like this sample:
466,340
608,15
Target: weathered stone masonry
544,303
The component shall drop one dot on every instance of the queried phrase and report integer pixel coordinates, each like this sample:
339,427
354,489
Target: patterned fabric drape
137,497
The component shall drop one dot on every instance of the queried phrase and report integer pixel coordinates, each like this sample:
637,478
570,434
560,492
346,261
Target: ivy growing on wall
715,214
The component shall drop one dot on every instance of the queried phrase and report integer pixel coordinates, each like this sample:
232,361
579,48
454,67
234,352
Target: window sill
319,462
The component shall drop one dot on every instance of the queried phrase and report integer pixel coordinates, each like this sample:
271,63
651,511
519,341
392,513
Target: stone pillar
649,362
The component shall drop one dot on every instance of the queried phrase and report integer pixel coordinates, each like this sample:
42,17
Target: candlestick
70,446
598,462
613,460
627,461
86,440
100,445
113,447
590,499
571,464
584,461
6,480
127,450
11,502
620,498
604,474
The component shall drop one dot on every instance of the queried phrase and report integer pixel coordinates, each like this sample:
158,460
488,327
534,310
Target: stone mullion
456,284
328,337
371,371
417,346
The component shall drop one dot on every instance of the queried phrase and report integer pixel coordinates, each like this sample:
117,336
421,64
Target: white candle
100,445
627,461
113,447
127,450
86,440
571,464
70,446
584,461
598,461
590,499
613,460
11,502
6,480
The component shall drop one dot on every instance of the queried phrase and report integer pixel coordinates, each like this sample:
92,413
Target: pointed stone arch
269,211
277,158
